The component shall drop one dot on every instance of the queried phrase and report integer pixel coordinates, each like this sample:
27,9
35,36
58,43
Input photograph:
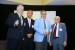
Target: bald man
16,29
58,37
29,33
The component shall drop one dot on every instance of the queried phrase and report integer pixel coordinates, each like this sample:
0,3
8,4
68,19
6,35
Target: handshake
46,32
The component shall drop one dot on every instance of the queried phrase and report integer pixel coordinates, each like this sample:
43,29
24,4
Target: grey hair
20,6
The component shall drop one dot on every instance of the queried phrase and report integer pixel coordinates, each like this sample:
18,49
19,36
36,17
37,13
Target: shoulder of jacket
62,23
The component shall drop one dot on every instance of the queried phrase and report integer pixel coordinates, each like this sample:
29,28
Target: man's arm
51,35
65,35
65,32
10,21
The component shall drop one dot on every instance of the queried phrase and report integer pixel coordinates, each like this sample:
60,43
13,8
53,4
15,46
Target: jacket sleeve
10,21
51,35
65,32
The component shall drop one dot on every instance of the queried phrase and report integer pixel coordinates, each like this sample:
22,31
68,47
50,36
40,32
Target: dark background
67,14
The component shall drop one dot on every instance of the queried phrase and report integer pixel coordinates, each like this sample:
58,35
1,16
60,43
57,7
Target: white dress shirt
57,30
29,21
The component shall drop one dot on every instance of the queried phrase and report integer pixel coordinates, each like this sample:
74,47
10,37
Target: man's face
57,19
20,10
29,14
43,15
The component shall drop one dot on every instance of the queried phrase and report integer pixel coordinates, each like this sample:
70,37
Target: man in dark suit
15,22
29,31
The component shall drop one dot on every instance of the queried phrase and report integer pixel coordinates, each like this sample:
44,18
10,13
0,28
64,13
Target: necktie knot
56,24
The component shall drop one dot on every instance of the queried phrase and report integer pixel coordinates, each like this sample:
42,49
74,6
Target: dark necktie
44,24
54,33
45,37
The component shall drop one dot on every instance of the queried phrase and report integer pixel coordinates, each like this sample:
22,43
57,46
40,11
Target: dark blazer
28,29
14,31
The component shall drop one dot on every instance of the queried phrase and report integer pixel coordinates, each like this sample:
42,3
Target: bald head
20,9
57,19
29,13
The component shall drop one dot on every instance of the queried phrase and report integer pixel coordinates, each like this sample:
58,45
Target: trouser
41,45
28,44
13,44
57,45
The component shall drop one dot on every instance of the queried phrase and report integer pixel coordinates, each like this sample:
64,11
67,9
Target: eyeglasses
56,19
43,14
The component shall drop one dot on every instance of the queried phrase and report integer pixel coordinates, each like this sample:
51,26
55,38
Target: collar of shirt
57,24
43,19
19,14
28,19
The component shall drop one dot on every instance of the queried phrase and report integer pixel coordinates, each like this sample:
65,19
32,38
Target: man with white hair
16,29
58,35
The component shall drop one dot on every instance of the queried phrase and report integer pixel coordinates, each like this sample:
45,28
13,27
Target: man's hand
65,43
50,44
16,22
29,35
46,32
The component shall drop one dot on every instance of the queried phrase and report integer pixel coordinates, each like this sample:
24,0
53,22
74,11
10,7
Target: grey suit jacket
62,32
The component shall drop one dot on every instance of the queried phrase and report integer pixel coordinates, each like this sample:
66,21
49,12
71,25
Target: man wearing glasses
58,35
41,27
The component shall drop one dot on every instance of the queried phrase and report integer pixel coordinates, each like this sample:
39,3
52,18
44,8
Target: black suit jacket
28,29
15,32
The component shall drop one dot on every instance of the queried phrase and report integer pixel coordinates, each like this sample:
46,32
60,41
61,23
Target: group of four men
23,32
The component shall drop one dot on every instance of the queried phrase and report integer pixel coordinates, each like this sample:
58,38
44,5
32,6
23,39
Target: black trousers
13,44
41,45
28,44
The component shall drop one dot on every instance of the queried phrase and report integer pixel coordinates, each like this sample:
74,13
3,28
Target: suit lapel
59,25
53,26
27,22
23,19
18,18
31,22
59,29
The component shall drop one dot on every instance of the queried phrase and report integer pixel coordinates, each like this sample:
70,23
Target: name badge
60,29
32,26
